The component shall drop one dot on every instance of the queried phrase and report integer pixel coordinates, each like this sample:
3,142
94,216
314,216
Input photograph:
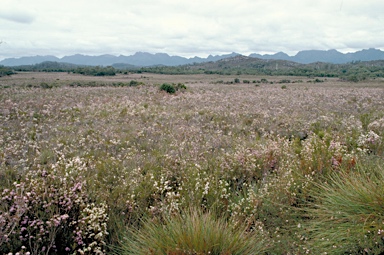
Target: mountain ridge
150,59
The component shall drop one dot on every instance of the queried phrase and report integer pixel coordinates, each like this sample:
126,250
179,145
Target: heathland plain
228,164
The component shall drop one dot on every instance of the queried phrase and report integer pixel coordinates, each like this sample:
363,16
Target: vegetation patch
192,233
172,88
103,166
348,215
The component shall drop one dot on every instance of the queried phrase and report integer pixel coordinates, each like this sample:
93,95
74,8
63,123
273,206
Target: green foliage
284,81
354,71
168,88
47,66
134,83
45,85
173,88
348,212
5,71
181,86
192,233
96,71
365,119
361,71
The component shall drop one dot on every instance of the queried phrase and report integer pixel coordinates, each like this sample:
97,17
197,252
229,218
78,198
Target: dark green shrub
96,71
237,80
168,88
134,83
5,71
284,81
180,86
352,78
45,85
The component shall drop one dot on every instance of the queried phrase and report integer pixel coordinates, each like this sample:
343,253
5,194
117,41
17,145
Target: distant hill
244,62
145,59
48,66
352,71
138,59
326,56
28,60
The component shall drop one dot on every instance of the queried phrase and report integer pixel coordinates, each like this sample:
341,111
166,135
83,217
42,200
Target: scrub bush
168,88
45,213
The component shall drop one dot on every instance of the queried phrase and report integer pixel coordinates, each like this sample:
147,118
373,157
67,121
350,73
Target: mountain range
149,59
329,56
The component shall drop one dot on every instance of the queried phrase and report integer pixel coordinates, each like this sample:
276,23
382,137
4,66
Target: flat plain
92,160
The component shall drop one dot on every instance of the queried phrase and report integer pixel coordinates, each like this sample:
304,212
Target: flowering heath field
116,165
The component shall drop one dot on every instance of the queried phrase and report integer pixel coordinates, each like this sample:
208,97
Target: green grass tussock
348,215
192,232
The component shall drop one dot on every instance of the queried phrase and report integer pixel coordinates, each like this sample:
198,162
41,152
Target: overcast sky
188,28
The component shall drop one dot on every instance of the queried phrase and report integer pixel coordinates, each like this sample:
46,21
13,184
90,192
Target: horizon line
263,53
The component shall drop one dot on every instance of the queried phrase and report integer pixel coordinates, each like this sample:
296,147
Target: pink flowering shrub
46,213
370,142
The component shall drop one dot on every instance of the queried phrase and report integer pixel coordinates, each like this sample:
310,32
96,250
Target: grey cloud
191,27
18,17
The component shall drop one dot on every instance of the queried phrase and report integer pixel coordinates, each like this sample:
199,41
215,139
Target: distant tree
5,71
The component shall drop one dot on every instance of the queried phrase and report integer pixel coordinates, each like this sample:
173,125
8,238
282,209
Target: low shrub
50,214
284,81
45,85
181,86
134,83
172,88
168,88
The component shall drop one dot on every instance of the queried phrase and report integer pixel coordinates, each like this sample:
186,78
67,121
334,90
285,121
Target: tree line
354,71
